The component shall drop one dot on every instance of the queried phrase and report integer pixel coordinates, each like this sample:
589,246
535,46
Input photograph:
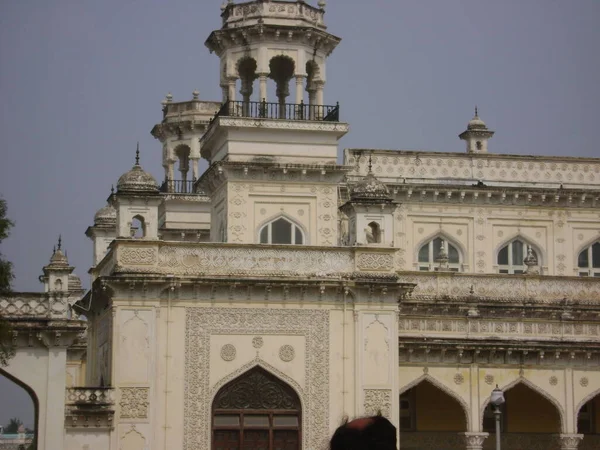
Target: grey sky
81,82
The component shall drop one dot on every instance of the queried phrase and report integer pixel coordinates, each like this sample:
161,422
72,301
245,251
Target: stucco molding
202,322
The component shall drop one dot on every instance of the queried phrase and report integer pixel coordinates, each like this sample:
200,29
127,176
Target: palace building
257,304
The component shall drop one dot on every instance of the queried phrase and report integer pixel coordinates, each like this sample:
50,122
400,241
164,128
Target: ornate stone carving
228,352
474,441
377,400
134,403
202,322
257,342
287,353
489,379
137,256
553,381
459,378
584,382
570,441
375,261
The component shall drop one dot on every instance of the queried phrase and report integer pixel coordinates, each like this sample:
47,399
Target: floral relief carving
287,353
201,322
377,400
584,382
489,379
459,378
228,352
257,342
134,402
137,256
553,381
375,261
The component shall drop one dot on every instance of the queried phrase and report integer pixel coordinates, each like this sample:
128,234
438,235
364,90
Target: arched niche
256,410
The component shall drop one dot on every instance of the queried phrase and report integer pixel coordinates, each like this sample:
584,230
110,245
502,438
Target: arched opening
430,418
588,423
373,233
588,261
281,71
256,411
511,256
430,252
182,153
138,227
247,73
19,411
281,231
528,419
313,87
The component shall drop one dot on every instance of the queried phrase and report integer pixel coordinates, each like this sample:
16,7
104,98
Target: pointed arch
450,240
295,228
535,388
230,411
589,267
586,399
541,253
32,395
441,386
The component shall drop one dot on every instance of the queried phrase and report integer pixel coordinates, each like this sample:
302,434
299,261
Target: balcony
89,407
24,306
178,187
285,111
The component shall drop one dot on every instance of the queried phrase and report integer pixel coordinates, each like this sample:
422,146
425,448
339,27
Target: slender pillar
570,441
312,101
231,88
299,88
195,168
262,87
474,441
283,91
319,99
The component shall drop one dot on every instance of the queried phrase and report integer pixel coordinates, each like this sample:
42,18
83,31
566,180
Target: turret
476,135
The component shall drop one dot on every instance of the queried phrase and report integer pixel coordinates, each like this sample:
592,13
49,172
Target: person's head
367,433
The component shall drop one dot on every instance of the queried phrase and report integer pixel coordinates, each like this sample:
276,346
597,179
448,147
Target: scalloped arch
535,388
438,384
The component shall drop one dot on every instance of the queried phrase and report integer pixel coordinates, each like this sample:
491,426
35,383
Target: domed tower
476,135
136,202
370,212
58,275
104,230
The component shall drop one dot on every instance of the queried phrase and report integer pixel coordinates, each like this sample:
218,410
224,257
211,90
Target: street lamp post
497,399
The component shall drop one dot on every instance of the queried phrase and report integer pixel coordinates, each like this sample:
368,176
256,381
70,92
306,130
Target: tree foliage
6,277
13,426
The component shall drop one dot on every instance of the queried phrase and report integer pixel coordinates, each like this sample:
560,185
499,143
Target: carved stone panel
134,402
378,400
201,323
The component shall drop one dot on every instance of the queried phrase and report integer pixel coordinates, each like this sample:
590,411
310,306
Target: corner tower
273,170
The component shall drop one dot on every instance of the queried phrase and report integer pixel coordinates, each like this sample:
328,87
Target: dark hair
367,433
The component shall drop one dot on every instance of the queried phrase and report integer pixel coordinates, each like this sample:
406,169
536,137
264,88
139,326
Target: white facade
409,283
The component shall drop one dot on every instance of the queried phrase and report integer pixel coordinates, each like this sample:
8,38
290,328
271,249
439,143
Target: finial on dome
476,113
322,4
54,249
169,97
195,94
137,154
59,241
112,189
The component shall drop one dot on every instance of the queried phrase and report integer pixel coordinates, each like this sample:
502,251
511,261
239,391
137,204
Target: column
474,441
195,168
225,92
300,96
319,99
231,89
262,83
570,441
55,399
283,90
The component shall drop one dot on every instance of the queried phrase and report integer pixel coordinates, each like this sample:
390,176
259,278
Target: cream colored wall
88,440
251,205
480,231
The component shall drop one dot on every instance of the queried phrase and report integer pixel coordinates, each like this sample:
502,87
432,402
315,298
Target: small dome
59,258
137,180
106,216
476,123
370,188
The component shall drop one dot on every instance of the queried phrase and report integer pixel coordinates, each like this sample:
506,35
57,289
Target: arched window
429,255
256,411
588,261
138,227
281,231
511,257
373,232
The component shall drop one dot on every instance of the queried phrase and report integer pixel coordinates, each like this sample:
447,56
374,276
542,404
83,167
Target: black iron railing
287,111
178,186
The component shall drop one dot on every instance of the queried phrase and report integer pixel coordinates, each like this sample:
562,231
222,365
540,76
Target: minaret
58,275
104,230
476,135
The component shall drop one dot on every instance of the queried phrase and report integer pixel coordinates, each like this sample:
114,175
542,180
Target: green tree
13,426
6,277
